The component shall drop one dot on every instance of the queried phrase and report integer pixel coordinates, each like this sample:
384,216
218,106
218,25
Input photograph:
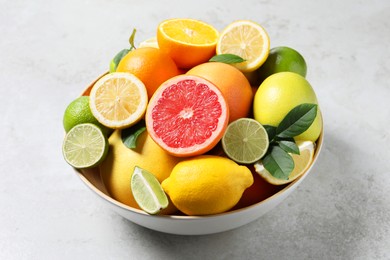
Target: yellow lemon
207,184
247,39
116,170
281,92
118,100
302,162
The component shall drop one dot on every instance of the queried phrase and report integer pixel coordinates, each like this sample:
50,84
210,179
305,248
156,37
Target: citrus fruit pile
195,120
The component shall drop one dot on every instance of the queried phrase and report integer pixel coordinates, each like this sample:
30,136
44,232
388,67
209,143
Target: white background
51,50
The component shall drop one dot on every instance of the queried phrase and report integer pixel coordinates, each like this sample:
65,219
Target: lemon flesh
246,39
301,163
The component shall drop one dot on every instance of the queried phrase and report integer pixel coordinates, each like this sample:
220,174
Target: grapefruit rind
185,118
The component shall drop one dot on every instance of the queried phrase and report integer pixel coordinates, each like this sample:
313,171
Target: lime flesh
85,146
147,191
245,141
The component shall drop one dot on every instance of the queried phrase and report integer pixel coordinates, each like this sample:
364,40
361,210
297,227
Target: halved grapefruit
187,116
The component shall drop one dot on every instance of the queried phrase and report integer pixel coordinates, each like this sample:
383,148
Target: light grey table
51,50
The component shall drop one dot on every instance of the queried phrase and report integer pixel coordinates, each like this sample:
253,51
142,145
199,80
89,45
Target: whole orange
151,65
233,84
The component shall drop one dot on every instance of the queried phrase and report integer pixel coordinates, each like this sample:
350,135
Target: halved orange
118,100
189,42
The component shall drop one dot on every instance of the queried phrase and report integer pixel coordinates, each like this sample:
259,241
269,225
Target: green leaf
297,121
271,131
289,146
131,134
278,163
131,39
115,61
227,58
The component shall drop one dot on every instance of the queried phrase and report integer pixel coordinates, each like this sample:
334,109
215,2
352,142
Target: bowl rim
106,197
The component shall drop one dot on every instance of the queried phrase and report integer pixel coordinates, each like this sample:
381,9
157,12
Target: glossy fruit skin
116,170
205,185
282,59
278,95
233,84
79,112
151,65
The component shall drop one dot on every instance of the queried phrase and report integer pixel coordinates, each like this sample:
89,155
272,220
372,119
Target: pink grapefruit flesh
187,116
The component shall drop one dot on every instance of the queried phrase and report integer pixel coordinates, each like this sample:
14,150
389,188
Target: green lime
147,191
245,141
85,146
283,59
79,112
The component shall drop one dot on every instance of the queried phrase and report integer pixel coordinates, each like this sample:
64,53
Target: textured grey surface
51,50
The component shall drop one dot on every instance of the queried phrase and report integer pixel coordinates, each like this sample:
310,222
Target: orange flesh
192,32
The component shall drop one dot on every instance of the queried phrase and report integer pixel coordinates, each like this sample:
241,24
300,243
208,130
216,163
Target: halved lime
147,191
85,146
245,141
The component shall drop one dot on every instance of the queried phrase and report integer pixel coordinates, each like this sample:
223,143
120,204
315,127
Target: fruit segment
214,123
147,191
187,116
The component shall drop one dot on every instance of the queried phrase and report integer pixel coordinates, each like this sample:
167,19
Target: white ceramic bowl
191,225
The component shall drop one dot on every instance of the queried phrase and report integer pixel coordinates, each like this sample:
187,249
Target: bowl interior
91,177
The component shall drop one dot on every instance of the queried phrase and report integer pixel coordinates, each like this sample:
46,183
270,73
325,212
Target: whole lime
282,59
278,95
78,112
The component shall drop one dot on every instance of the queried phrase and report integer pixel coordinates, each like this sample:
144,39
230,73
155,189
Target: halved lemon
189,42
118,100
247,39
302,163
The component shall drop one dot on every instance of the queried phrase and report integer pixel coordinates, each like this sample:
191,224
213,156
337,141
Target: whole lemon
116,170
207,184
281,92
